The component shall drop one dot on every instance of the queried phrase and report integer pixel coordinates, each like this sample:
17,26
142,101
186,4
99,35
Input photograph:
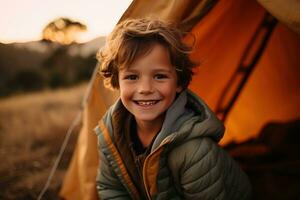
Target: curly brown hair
134,38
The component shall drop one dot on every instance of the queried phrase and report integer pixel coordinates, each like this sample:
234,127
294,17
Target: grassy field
32,129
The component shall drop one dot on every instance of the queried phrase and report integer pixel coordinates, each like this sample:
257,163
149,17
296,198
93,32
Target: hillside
38,65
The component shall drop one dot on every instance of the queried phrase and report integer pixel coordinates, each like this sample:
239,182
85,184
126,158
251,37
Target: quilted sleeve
202,170
108,184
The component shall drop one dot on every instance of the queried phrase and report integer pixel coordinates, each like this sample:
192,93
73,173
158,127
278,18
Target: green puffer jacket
185,161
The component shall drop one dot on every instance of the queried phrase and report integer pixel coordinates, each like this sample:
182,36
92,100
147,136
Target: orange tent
249,74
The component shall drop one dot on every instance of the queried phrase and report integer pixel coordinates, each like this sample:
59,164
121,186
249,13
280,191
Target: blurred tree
25,80
63,30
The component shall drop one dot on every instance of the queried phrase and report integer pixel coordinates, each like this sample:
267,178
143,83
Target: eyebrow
162,70
129,70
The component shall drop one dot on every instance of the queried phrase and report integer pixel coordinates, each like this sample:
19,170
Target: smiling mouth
146,102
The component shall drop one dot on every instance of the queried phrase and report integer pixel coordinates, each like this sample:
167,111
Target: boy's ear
179,89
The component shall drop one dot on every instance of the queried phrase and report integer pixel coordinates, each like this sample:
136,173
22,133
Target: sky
24,20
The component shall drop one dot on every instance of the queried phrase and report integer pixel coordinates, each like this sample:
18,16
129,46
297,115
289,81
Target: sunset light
23,21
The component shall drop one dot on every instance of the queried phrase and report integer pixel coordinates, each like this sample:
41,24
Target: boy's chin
147,118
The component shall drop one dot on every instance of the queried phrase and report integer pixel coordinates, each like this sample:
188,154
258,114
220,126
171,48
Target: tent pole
248,61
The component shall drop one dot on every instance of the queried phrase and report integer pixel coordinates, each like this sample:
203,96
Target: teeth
146,103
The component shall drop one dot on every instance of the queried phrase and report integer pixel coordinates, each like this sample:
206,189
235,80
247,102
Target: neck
146,130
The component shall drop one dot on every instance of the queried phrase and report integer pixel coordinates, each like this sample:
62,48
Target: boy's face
148,87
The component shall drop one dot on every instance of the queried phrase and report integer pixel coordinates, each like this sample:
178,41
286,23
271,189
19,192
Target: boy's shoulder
198,153
196,148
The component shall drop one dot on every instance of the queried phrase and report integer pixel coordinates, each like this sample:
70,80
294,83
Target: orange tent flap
80,179
222,37
272,92
184,13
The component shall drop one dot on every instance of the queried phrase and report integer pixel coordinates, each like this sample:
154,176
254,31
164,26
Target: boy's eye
131,77
160,76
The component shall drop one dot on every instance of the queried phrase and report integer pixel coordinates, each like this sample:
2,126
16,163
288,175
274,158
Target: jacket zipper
145,163
144,176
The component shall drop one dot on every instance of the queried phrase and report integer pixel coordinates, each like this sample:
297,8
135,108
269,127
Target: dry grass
32,128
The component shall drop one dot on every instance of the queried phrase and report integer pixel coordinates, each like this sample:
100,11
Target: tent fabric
79,181
221,42
272,92
286,11
183,13
223,35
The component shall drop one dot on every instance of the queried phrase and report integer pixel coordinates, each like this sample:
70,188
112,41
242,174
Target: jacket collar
187,118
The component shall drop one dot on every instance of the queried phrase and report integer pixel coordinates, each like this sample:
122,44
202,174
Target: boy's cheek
125,92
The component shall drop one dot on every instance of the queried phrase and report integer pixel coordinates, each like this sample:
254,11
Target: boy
159,140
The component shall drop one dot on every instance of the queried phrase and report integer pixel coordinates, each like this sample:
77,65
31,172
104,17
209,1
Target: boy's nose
145,86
